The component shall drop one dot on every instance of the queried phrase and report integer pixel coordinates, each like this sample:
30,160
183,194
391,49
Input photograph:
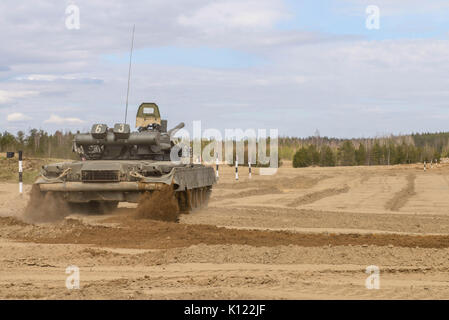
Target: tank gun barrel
173,131
135,138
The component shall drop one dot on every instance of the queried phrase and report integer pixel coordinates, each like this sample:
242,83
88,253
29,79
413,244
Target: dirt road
302,233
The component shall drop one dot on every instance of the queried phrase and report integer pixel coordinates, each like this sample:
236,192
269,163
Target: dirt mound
44,208
402,196
159,205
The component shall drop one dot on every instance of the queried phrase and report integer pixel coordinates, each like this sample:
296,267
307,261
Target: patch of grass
9,169
286,152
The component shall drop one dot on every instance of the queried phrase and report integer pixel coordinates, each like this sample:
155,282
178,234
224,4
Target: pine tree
313,155
360,155
376,154
327,157
346,154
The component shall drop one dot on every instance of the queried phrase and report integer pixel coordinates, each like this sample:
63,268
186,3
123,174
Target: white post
249,168
20,173
216,168
236,167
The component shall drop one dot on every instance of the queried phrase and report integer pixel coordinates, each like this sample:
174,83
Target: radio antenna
129,73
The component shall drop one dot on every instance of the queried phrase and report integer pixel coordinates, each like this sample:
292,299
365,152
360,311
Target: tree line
376,151
39,143
315,150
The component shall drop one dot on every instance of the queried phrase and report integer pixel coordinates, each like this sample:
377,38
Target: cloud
8,96
309,78
223,15
394,8
55,119
17,117
55,77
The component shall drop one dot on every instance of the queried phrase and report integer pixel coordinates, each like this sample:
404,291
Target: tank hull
123,180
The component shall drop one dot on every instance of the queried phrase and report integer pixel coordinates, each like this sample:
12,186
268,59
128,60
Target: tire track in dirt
401,197
318,195
365,177
297,182
248,193
265,187
291,218
151,234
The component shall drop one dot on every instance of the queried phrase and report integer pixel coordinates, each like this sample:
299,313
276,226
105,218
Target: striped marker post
236,167
216,168
249,168
20,173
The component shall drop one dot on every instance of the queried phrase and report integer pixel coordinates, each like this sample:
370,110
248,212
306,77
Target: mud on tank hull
107,182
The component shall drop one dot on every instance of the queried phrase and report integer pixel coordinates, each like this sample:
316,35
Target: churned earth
299,234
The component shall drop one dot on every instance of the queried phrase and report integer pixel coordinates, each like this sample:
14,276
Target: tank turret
152,140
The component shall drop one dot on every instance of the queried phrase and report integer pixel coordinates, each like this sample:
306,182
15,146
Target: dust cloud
159,205
46,207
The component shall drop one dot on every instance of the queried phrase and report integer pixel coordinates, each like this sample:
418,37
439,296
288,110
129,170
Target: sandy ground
300,234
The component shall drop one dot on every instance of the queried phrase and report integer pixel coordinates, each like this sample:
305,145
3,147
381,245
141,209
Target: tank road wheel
203,197
189,195
179,197
198,198
185,201
194,198
199,202
208,194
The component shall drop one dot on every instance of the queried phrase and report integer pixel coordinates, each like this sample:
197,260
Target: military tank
117,165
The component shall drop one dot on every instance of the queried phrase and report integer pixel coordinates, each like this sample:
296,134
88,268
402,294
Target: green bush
301,158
